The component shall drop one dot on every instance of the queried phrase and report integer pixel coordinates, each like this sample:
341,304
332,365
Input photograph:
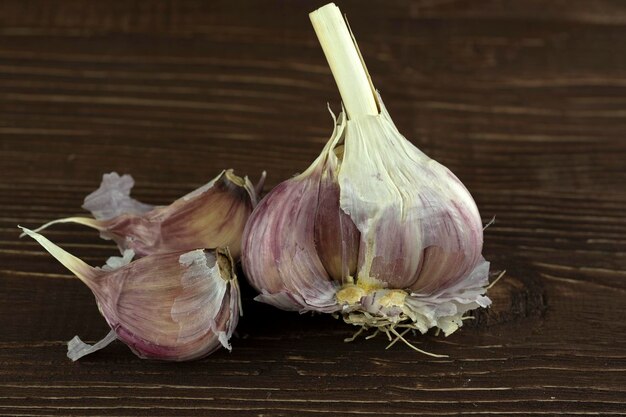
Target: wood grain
525,101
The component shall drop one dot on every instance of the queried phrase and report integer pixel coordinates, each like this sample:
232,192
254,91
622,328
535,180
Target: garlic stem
345,61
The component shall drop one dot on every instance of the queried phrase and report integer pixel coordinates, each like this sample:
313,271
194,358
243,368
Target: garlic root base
396,312
395,329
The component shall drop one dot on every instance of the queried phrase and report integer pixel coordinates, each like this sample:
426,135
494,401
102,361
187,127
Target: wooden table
525,101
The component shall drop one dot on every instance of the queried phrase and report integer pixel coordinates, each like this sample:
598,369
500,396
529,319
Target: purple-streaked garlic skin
371,212
211,216
184,296
336,236
282,248
175,306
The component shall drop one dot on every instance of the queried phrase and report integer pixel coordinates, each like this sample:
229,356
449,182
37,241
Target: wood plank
524,101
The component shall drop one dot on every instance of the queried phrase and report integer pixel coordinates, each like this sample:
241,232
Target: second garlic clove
213,215
175,306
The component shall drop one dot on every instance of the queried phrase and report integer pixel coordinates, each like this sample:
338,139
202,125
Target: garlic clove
336,236
282,237
173,306
214,215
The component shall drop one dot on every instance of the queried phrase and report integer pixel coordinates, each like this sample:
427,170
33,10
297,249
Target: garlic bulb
175,306
212,216
373,230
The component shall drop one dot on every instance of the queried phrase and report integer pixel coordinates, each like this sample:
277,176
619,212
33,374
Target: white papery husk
385,153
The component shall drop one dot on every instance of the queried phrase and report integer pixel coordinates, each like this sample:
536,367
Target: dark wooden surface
524,100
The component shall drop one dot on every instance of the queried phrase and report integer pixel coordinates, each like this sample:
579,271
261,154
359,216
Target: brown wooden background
524,100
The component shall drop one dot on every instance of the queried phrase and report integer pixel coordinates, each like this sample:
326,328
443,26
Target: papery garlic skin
373,230
174,306
420,228
214,215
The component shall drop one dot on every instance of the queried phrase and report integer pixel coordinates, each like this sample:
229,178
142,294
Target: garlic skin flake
374,230
212,216
174,306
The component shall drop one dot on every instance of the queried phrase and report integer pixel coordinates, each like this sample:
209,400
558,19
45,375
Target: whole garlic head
374,229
